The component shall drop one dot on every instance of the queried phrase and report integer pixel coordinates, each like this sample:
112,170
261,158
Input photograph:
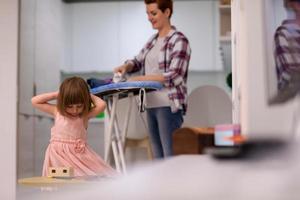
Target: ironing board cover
132,86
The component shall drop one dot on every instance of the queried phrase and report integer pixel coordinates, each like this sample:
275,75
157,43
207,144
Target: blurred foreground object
264,169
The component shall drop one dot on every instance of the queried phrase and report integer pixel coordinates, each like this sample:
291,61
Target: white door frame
9,19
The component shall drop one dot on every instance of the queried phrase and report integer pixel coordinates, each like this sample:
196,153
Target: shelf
225,38
225,20
225,7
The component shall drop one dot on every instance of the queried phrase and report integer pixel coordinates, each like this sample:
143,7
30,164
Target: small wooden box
192,140
61,172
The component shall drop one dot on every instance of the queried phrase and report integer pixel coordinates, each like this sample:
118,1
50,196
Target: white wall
94,36
8,101
256,116
105,34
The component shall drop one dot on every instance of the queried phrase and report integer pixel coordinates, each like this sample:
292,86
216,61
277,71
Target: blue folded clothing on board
132,85
94,82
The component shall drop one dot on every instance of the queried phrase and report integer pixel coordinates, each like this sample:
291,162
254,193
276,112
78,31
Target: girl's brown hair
74,90
162,5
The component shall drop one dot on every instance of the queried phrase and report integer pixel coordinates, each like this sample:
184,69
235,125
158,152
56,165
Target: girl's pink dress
68,148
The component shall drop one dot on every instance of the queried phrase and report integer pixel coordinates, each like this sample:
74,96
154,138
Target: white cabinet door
27,56
25,135
49,45
42,128
42,53
25,148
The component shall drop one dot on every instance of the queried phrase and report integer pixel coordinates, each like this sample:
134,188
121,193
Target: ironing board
111,93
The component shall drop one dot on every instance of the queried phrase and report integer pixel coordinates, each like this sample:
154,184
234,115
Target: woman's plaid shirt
174,59
287,52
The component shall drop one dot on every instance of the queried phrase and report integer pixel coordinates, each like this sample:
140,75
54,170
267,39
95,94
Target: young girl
68,146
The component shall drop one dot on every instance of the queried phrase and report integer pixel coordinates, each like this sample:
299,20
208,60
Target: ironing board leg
122,158
111,107
107,134
126,122
120,149
122,137
114,137
115,152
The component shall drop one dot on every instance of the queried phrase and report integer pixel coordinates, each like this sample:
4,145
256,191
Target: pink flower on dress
79,146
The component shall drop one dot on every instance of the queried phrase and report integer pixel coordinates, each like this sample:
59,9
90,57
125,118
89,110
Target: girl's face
157,18
74,110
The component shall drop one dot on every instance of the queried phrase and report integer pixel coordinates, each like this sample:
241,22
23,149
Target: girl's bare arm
99,106
41,102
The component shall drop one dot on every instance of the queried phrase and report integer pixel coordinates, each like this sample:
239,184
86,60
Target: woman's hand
123,69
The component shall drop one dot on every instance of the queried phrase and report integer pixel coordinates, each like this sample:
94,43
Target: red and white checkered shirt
174,60
287,51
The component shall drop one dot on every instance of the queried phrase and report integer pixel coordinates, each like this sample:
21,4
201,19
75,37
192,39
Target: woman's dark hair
74,90
162,5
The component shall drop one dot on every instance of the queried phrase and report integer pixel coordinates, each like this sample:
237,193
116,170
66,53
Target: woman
164,58
287,53
287,44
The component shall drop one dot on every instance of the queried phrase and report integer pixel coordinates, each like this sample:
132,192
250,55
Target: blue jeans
161,124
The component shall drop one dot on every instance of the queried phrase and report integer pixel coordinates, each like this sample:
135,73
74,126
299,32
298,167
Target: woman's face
157,18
